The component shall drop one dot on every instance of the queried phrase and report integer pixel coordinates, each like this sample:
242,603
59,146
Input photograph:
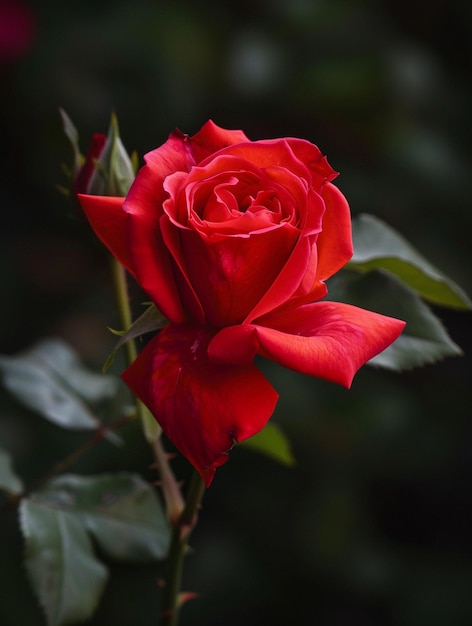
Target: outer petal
269,153
335,240
211,138
328,340
203,407
109,222
147,252
175,155
311,155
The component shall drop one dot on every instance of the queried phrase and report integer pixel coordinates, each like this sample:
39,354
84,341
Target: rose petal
311,155
147,253
211,138
231,275
332,250
335,240
171,237
109,222
175,155
269,153
292,279
237,181
203,407
149,256
329,340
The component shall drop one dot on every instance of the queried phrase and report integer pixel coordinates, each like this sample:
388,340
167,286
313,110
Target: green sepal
272,442
72,134
114,171
151,428
149,321
135,161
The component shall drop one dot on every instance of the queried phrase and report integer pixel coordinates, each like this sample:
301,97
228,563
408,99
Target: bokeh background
372,527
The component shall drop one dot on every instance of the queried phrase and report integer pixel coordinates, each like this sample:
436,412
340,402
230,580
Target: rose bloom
233,241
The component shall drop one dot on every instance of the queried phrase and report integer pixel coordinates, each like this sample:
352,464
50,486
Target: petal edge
328,340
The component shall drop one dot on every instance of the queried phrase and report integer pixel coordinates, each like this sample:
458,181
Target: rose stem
183,517
170,487
172,600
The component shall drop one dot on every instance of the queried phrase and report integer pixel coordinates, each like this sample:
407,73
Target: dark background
373,525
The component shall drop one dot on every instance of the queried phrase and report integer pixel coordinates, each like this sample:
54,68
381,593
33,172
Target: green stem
183,517
122,302
170,487
172,599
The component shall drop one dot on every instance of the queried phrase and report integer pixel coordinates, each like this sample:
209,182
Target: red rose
233,241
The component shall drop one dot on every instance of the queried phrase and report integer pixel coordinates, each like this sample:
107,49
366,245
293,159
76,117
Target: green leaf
149,321
377,246
121,511
72,134
50,380
9,481
424,340
64,571
271,441
65,365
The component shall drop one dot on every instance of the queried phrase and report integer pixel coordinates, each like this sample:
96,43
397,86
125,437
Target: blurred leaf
272,442
9,481
66,575
50,380
121,511
378,246
64,362
35,387
424,339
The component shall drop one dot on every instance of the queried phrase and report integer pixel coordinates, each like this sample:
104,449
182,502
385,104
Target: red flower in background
233,240
17,30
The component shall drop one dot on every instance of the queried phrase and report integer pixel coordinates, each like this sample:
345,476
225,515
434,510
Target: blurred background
373,524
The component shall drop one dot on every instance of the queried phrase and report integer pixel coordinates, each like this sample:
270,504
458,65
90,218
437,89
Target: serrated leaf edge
27,537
